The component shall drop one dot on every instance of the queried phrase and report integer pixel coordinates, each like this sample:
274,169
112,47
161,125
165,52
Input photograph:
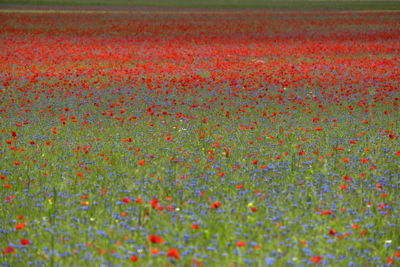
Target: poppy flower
215,205
173,253
155,239
20,226
344,187
326,212
154,251
8,250
25,242
347,178
126,200
103,192
134,258
154,203
316,259
241,244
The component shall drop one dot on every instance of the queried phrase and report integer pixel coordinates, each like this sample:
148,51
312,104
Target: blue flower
270,261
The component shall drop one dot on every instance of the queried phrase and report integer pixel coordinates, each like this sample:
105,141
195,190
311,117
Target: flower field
166,137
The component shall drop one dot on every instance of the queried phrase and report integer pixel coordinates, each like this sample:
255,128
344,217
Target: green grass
268,4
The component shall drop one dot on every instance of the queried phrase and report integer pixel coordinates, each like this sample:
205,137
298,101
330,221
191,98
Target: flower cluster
198,138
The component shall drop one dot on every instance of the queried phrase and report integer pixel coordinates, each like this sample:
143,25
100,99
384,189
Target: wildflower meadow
193,137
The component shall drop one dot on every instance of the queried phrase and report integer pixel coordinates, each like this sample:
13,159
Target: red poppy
326,212
20,226
215,205
25,242
195,226
154,203
344,187
241,244
347,178
154,251
156,239
316,259
8,250
104,191
126,200
134,258
173,253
